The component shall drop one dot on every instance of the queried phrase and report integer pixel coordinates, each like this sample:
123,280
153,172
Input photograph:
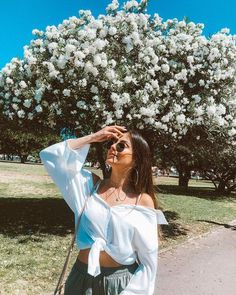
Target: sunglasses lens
120,147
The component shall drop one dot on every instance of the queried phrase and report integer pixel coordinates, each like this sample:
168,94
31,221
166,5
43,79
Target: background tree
125,67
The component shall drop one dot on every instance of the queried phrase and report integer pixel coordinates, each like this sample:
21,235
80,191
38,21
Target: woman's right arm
64,161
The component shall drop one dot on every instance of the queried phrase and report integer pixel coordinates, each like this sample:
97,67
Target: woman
117,236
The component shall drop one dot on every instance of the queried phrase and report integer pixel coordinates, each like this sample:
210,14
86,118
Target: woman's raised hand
108,132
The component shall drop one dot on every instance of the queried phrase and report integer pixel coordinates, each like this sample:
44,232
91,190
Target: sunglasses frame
119,146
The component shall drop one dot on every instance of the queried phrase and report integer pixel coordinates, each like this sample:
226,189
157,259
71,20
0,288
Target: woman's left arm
145,242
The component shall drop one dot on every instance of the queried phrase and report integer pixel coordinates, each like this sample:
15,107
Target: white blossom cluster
125,66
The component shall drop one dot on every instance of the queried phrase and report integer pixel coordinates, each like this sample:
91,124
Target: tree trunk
221,187
23,158
184,177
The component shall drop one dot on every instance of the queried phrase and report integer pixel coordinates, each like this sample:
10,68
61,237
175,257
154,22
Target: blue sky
19,17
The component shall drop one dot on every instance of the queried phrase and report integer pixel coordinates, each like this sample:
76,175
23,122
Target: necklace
118,197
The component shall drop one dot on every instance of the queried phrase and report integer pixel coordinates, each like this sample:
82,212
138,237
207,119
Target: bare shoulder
96,178
146,201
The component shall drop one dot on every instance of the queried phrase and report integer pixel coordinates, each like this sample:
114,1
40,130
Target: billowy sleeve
64,165
146,244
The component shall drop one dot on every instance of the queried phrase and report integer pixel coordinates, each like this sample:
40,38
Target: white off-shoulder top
125,232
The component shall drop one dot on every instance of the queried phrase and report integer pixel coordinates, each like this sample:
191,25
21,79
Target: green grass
36,224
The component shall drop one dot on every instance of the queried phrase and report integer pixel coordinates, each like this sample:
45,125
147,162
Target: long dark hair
141,173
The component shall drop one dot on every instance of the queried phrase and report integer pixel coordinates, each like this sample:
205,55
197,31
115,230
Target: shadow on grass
199,192
173,229
34,215
233,227
53,216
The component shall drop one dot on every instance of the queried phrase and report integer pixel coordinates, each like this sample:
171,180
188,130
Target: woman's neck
119,179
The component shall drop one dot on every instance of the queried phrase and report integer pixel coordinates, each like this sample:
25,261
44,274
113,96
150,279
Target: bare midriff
105,259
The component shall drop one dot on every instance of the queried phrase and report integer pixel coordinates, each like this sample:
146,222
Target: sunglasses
119,146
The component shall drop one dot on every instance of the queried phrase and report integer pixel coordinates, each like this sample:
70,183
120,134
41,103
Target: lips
111,154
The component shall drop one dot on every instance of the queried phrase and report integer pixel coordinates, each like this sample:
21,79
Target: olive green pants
111,280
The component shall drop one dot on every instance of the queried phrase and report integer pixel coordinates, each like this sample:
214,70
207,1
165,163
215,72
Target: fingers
109,132
111,135
116,131
119,130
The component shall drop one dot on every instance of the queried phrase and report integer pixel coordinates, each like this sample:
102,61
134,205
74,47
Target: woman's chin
110,161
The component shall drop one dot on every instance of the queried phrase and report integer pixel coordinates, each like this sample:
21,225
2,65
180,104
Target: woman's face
120,154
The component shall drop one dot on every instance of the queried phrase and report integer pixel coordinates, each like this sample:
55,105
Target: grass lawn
36,224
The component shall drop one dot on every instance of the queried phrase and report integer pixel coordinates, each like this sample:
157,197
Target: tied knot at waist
94,255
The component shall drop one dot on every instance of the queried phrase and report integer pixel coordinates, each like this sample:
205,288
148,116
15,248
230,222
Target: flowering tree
125,67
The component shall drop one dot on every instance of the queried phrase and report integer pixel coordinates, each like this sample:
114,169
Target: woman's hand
108,132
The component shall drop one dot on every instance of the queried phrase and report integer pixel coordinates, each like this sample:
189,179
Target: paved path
203,266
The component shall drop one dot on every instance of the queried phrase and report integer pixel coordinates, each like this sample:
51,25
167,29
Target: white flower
165,119
128,79
211,110
81,104
59,111
37,32
225,31
79,54
21,113
234,122
66,92
180,119
199,111
221,109
190,59
38,42
114,96
232,132
177,108
112,31
130,4
52,46
197,98
113,6
83,82
104,63
70,48
110,74
147,59
15,106
179,93
27,103
185,100
99,44
171,83
104,84
61,62
23,84
38,108
94,89
155,84
119,113
30,116
182,75
149,111
201,82
165,68
9,80
97,60
89,68
220,121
